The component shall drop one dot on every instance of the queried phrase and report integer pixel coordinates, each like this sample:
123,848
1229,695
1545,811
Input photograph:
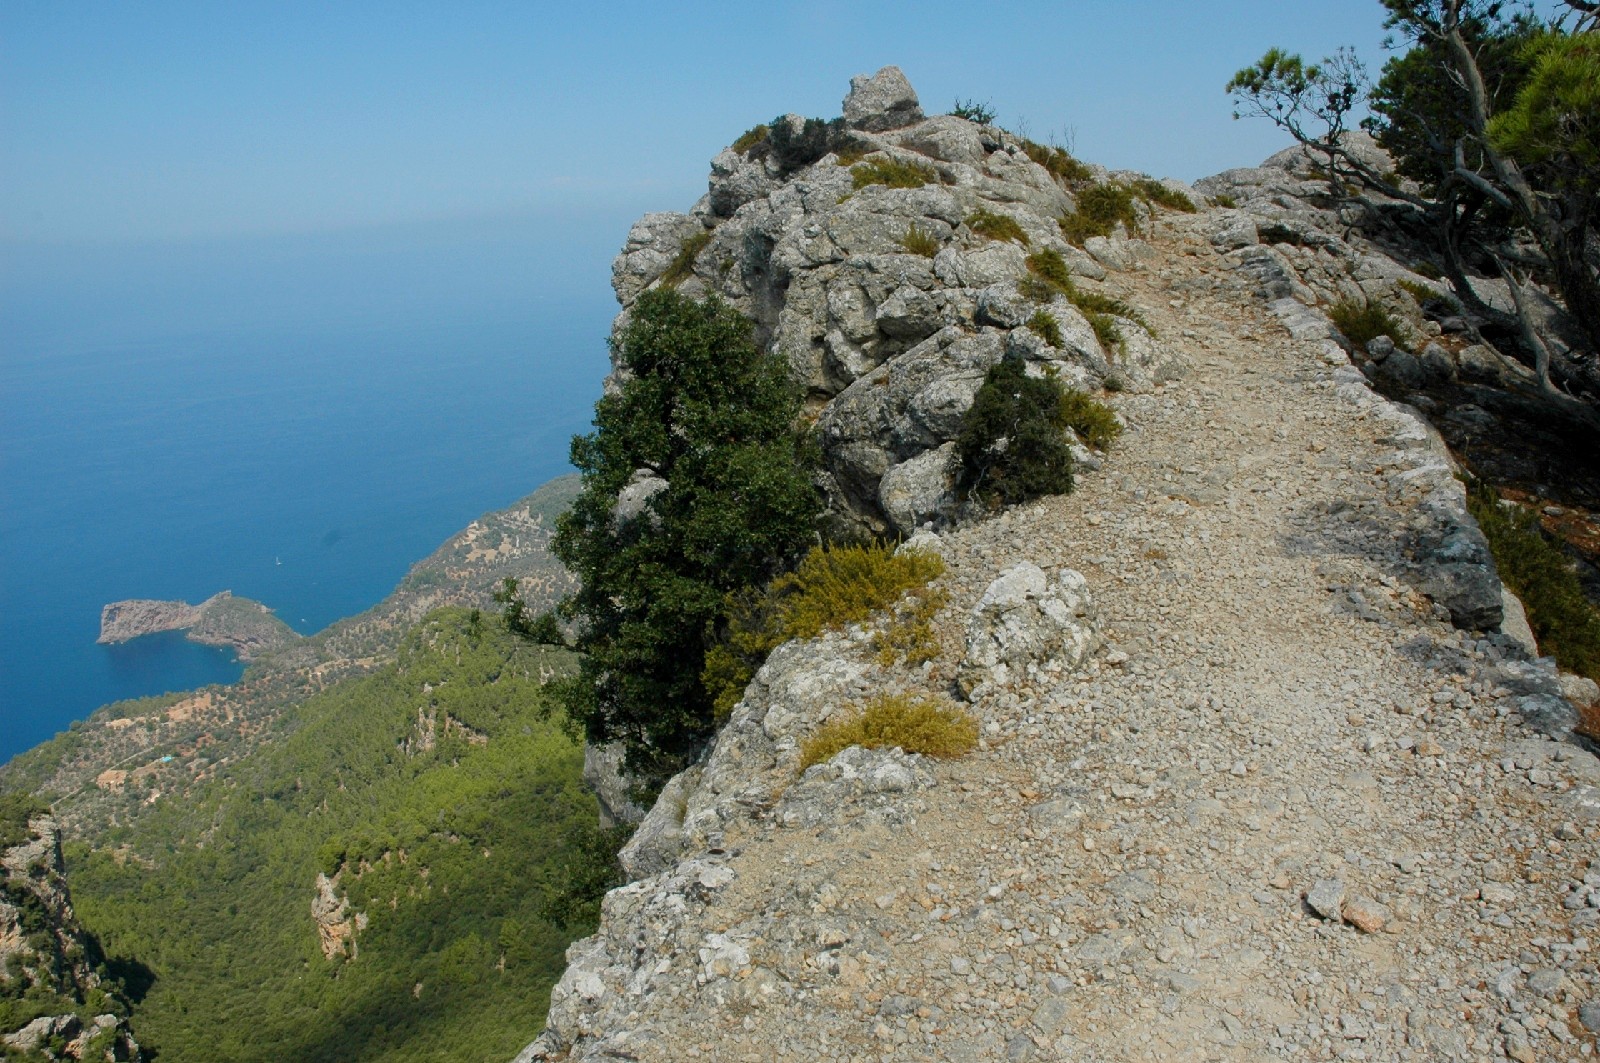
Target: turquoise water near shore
295,420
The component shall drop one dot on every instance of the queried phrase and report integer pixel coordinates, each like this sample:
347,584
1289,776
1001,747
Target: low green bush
681,268
1363,322
933,728
1152,191
797,148
892,172
16,809
1011,447
1564,621
1100,209
1222,199
1049,267
1106,330
1044,324
831,588
992,226
920,241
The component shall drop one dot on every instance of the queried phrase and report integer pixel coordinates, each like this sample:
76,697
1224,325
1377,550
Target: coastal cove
353,402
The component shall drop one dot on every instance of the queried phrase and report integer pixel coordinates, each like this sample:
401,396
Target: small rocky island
245,625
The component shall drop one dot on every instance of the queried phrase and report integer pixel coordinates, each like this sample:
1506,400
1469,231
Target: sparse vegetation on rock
914,724
1363,322
1564,620
892,173
994,226
833,587
920,241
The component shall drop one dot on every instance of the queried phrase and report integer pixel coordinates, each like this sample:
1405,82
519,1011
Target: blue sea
295,419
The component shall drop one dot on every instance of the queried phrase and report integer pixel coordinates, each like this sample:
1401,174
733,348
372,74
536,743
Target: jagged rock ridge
891,345
1278,787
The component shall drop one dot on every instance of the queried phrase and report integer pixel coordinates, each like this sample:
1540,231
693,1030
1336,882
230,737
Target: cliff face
1264,770
54,998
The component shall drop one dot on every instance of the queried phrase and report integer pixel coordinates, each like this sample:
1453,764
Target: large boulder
920,490
1028,619
881,102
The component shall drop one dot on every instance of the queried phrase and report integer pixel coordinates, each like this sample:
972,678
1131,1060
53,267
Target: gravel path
1122,871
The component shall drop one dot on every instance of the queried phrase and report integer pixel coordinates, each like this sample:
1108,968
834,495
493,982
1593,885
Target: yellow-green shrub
842,585
1091,420
1100,208
1363,322
751,137
1048,276
831,589
1152,191
909,634
934,728
1062,166
1044,325
920,241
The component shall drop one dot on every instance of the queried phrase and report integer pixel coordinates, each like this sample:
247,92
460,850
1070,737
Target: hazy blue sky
172,121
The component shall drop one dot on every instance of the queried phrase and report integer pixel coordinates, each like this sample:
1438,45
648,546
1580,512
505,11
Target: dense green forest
446,798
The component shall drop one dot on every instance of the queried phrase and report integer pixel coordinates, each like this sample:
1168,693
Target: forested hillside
445,806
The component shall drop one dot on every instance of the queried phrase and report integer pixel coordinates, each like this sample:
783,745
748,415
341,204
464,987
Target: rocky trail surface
1286,810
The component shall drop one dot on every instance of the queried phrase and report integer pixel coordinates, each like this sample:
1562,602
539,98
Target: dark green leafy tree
515,609
543,628
711,420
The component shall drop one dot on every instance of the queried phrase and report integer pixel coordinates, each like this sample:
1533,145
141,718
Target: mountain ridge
1314,755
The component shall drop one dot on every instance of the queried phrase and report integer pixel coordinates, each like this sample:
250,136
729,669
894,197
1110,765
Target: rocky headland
241,624
1270,766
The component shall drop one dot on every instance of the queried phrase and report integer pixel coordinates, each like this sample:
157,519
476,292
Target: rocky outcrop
337,924
245,626
750,776
45,953
603,775
889,344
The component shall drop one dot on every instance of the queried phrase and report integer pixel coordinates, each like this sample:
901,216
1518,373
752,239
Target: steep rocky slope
56,1003
1267,769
